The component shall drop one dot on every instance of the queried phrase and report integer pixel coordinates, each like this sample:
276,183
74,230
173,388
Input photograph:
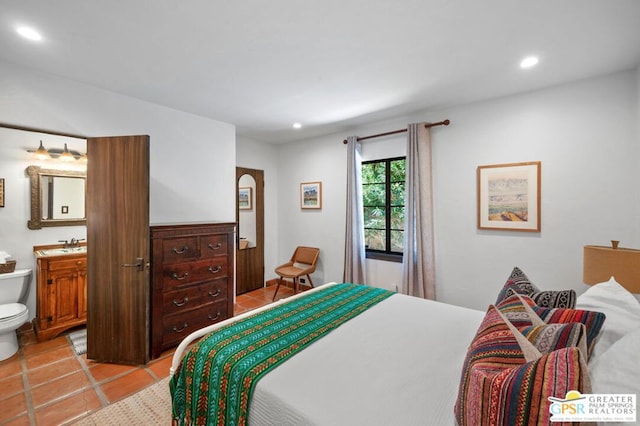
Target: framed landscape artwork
245,198
311,195
509,196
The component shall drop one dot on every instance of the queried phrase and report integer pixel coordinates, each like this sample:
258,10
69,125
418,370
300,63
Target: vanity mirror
57,197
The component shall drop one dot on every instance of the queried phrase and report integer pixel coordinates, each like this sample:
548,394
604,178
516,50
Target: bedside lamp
600,263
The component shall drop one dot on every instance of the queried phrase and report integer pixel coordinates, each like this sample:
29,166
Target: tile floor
46,383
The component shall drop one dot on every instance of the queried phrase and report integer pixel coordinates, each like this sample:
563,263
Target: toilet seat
11,311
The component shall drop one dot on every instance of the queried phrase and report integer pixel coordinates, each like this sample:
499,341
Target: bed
397,362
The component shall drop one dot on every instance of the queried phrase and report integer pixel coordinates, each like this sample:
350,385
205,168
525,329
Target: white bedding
397,363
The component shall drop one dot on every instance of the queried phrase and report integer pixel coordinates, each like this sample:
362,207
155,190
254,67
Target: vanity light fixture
66,155
297,125
42,153
62,154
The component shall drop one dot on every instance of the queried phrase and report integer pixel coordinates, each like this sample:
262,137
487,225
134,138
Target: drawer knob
215,270
215,294
214,318
181,303
180,330
216,247
180,251
181,277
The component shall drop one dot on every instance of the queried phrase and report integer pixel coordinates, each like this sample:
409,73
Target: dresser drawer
213,245
177,327
192,297
179,274
78,262
179,249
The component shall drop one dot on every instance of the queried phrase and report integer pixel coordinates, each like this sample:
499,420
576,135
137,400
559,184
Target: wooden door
250,260
118,249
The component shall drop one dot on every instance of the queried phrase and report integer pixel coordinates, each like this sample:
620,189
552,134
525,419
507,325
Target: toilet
14,287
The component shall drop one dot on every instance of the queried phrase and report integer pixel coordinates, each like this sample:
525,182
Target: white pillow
616,371
621,308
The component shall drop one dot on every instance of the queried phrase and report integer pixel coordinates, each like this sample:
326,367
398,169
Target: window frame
387,254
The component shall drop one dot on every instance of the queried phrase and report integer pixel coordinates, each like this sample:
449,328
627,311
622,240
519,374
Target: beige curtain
418,272
354,254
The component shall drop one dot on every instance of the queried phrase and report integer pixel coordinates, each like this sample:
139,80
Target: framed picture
1,192
245,198
311,195
509,196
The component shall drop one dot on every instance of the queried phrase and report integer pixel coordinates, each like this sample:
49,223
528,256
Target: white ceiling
328,64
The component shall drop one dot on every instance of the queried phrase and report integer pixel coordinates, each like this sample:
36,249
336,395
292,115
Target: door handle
139,265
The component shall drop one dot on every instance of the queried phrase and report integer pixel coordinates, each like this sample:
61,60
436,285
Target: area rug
79,340
150,406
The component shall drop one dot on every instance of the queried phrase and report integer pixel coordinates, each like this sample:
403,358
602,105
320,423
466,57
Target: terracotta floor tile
47,345
251,303
69,408
11,366
52,371
13,407
122,387
102,372
160,367
237,310
22,420
243,299
39,359
59,388
11,386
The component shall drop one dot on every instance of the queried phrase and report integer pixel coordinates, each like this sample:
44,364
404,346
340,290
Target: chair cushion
290,271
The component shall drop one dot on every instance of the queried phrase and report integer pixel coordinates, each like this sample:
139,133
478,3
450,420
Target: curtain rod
393,132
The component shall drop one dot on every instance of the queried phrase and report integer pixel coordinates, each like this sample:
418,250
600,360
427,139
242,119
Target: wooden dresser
61,290
192,271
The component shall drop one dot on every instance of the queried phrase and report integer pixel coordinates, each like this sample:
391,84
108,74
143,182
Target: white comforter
398,363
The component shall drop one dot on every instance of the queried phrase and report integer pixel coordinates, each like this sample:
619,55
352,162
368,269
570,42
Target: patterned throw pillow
592,321
519,283
522,312
507,375
519,396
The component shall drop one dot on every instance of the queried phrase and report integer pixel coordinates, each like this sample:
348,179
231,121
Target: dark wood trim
35,129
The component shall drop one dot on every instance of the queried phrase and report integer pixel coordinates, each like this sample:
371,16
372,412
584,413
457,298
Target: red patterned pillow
500,354
519,395
521,309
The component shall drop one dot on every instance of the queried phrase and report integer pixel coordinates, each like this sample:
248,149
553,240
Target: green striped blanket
216,378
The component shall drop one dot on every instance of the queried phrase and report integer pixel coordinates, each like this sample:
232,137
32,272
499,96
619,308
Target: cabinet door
63,295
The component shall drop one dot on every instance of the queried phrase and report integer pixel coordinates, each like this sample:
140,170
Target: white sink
58,251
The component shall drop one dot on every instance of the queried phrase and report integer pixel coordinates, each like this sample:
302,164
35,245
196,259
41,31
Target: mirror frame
35,174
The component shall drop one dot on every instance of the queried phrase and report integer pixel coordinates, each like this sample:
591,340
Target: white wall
584,133
192,176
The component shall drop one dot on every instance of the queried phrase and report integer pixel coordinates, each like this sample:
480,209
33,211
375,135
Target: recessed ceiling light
529,62
297,125
29,33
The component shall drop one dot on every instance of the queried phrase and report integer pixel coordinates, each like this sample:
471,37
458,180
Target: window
383,200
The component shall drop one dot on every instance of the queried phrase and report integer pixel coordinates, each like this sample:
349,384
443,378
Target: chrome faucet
75,242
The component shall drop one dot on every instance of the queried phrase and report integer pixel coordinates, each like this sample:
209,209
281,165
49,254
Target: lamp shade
600,263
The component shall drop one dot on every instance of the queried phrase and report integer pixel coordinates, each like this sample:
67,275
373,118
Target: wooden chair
303,262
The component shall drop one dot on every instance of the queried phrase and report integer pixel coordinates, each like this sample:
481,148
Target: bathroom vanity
61,286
